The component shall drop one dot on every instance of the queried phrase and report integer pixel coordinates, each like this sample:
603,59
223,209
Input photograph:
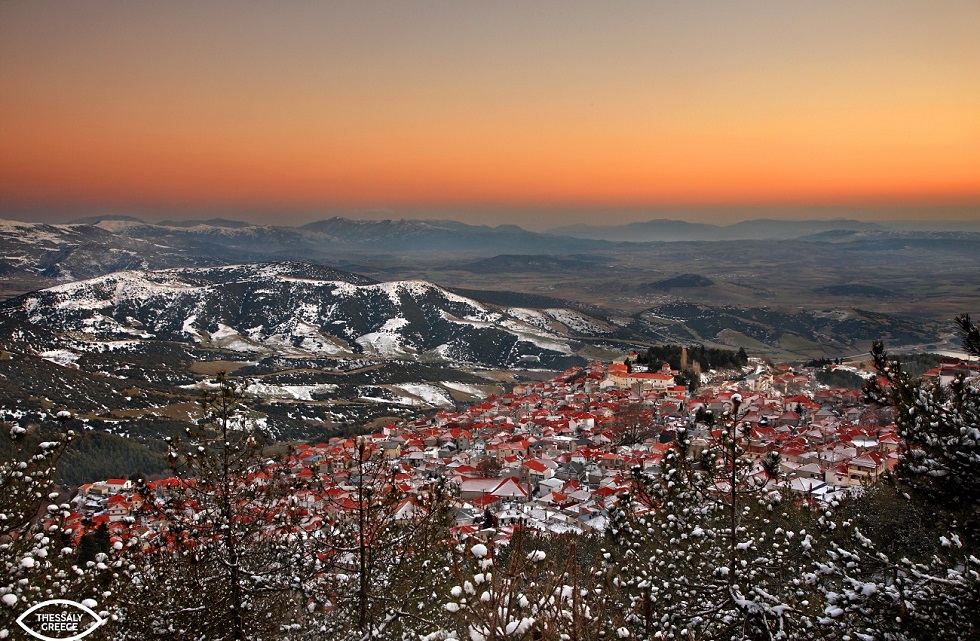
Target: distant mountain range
677,230
318,238
36,255
833,230
95,246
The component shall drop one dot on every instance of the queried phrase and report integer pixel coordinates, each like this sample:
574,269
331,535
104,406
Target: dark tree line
839,378
706,357
101,455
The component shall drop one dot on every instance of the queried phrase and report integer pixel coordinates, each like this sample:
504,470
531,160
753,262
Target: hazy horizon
967,215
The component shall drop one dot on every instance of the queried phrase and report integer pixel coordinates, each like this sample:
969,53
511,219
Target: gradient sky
540,112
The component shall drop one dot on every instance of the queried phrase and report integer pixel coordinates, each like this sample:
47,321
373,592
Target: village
555,456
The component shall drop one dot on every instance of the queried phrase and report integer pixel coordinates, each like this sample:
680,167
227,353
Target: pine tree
224,557
710,549
533,587
38,550
384,551
905,565
940,427
895,568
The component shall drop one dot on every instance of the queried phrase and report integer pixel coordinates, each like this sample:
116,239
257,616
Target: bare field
932,281
212,368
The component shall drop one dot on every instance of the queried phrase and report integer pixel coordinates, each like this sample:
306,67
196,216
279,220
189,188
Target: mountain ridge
300,309
669,230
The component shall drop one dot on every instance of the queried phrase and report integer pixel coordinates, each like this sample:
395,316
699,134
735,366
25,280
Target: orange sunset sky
537,113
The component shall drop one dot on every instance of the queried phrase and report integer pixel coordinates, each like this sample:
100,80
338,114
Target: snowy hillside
299,309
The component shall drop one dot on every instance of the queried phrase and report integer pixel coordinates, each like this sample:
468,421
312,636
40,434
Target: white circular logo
60,620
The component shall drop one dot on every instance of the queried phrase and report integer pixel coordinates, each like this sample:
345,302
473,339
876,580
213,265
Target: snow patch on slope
294,392
387,341
430,394
61,357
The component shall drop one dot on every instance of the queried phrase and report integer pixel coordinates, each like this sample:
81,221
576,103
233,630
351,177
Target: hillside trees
101,455
706,357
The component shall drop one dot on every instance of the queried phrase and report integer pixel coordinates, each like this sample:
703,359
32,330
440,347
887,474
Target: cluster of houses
951,368
556,455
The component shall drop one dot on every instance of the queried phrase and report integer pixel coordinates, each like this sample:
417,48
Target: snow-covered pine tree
905,565
383,550
38,550
710,549
535,586
939,426
223,557
892,568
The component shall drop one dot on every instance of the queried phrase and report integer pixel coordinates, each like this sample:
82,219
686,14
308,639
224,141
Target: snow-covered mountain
300,309
68,252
